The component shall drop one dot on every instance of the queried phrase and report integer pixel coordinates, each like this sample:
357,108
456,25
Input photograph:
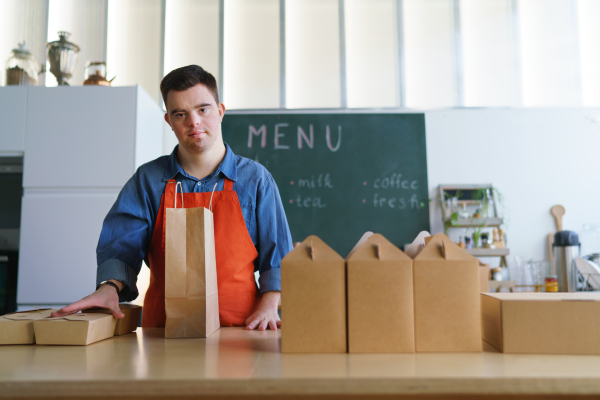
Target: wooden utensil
557,212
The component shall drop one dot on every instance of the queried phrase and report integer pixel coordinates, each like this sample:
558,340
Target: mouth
196,134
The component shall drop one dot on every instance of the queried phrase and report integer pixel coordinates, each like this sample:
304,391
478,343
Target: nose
195,119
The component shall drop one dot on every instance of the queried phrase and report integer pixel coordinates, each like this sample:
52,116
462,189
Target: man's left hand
266,313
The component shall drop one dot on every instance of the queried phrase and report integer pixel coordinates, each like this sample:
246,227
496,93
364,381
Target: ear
221,111
167,119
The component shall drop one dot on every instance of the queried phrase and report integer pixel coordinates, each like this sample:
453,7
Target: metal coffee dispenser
566,249
62,56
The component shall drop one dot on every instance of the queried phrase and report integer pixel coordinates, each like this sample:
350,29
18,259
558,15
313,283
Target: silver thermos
566,249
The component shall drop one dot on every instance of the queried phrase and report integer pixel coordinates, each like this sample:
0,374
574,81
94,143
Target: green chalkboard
340,175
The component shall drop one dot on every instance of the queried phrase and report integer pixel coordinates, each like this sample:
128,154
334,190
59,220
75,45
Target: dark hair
186,77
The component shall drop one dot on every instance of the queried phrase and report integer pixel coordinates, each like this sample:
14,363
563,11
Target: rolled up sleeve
274,237
123,242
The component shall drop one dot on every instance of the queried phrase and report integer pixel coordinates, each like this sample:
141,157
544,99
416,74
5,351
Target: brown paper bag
191,297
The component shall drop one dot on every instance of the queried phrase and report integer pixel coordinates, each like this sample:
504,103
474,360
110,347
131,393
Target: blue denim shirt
128,227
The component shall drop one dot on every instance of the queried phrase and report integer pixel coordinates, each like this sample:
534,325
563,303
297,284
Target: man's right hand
105,297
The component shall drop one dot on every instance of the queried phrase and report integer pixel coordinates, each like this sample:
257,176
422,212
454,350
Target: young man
251,230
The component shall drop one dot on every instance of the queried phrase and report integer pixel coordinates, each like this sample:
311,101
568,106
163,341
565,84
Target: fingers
279,323
71,308
105,299
263,325
273,325
253,324
117,313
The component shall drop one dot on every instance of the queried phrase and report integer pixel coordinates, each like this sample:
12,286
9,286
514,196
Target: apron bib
235,253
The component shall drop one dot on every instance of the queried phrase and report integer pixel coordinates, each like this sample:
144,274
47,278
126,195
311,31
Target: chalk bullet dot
364,200
365,183
292,182
291,201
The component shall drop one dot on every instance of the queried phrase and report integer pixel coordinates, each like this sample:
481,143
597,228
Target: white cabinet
59,235
89,136
81,144
13,105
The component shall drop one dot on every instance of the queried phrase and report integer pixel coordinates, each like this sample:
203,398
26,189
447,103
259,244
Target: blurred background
270,54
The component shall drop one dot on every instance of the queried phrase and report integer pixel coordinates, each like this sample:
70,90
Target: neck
200,165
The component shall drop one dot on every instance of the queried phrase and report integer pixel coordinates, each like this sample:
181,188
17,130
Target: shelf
488,252
476,222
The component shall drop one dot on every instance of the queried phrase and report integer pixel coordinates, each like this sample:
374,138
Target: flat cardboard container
447,304
17,328
313,304
380,299
542,323
124,325
76,329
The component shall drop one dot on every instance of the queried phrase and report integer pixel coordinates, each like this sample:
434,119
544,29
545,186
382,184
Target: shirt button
198,183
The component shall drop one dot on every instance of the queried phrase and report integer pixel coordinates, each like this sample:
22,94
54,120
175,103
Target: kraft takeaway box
191,293
313,304
380,299
78,329
124,325
542,323
484,277
447,304
17,328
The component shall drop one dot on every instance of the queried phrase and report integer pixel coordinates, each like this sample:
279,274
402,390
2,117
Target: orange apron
238,294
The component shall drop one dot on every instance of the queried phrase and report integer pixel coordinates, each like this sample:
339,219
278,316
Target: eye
203,110
180,115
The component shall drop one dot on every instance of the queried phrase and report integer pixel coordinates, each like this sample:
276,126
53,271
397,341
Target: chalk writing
252,131
280,135
302,136
328,137
308,202
305,140
322,181
395,181
397,202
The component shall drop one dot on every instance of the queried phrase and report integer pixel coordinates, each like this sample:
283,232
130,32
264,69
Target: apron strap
228,185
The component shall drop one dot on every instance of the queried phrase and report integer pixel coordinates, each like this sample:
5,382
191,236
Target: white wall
535,157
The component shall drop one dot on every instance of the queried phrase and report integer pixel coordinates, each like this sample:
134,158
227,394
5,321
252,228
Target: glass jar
95,74
589,237
21,67
551,284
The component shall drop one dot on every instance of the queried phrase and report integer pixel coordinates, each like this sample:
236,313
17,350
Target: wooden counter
235,363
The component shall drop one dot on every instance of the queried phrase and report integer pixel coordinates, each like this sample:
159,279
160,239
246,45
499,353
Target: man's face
195,117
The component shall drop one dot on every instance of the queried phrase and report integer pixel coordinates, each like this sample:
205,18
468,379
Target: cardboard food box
124,325
447,304
313,304
380,299
17,328
542,323
484,277
76,329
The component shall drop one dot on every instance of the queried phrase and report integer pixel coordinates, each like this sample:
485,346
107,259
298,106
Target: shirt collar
228,166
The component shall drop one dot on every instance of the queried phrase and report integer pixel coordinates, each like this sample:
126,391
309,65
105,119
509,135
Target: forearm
271,299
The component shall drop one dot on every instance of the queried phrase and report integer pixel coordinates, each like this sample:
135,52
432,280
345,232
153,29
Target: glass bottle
21,67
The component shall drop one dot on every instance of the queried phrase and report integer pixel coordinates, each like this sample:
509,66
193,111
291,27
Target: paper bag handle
181,187
211,196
